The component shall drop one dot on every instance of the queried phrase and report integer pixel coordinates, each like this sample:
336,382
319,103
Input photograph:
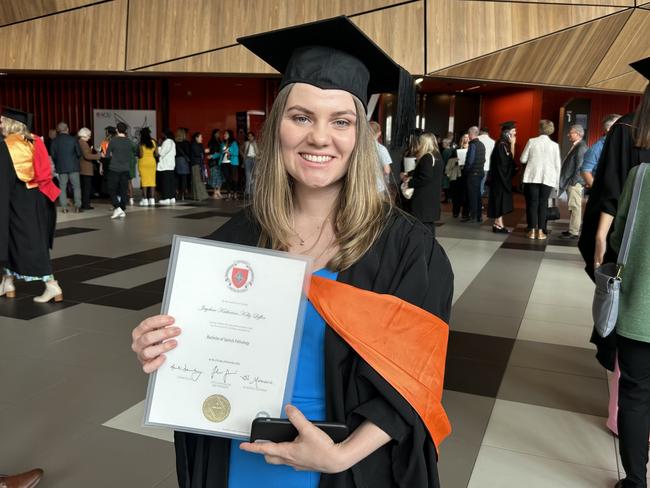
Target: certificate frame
289,380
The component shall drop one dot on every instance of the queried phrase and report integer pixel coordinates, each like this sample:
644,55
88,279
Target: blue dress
248,470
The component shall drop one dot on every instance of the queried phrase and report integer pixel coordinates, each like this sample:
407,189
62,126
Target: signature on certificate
187,372
256,382
222,376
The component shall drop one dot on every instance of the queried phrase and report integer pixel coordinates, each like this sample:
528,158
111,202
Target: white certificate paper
240,310
461,154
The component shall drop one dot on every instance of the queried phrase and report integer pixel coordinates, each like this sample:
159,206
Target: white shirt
250,150
543,163
488,142
167,156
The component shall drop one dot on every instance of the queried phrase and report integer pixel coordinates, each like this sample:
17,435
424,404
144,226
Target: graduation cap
335,54
509,125
643,67
19,116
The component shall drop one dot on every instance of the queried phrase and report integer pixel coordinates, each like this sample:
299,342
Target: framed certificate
241,312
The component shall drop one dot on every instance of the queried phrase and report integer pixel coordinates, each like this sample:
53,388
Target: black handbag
553,211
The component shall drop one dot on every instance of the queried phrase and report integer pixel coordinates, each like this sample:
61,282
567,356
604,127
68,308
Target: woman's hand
152,339
405,177
312,450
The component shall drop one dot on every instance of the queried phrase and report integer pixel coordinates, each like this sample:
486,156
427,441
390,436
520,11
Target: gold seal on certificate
216,408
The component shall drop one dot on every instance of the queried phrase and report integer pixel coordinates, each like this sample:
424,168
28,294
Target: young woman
426,180
459,201
147,167
502,169
230,162
319,164
27,213
214,156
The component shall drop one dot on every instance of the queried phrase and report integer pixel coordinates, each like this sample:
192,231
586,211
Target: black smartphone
281,430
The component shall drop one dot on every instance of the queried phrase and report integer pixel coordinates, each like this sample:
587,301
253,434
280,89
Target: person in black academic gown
329,162
502,169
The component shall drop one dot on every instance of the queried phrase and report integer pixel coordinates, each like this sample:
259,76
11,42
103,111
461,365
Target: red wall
520,105
601,106
203,104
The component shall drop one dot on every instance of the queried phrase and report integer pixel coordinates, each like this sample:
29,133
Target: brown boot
24,480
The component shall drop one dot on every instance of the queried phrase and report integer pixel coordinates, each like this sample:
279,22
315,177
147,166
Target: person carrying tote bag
629,281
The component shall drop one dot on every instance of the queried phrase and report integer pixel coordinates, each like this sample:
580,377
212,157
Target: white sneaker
144,202
166,201
131,202
117,213
152,202
173,201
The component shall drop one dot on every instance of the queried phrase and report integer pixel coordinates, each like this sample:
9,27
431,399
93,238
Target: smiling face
317,135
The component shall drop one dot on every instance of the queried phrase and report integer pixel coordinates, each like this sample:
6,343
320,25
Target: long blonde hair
361,209
427,145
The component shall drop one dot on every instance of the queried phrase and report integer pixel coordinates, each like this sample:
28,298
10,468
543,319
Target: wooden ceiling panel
165,30
229,60
632,44
565,58
476,28
404,45
645,5
628,82
87,39
407,49
12,11
605,3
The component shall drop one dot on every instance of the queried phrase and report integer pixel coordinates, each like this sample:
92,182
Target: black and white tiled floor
526,398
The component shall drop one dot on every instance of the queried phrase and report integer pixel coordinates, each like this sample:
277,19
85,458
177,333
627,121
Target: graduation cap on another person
643,67
19,116
335,54
509,125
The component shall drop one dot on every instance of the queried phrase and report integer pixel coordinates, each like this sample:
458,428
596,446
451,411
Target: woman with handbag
426,181
542,159
632,242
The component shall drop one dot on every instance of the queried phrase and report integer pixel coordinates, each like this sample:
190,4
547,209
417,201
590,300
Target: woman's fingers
152,323
152,352
151,366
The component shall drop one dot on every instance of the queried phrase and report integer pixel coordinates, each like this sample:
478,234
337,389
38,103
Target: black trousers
118,185
182,184
536,205
474,194
459,196
634,409
166,183
86,190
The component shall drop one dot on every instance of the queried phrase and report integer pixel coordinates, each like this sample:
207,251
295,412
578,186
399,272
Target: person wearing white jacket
542,159
165,168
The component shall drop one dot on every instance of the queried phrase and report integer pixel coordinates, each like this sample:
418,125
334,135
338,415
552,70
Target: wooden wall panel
565,58
163,30
18,10
407,48
632,44
87,39
476,28
628,82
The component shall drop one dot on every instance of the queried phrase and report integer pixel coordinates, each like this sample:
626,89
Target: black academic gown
619,156
408,263
502,169
427,182
27,223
